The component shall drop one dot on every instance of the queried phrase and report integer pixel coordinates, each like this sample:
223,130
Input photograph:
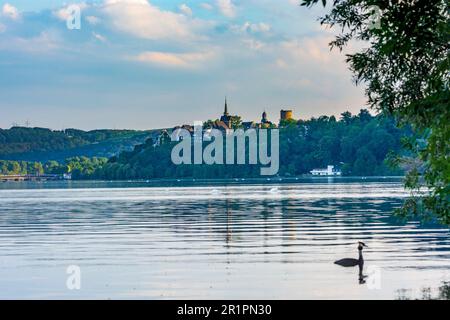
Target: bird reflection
351,262
361,276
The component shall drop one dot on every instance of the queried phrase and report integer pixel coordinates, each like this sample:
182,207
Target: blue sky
152,64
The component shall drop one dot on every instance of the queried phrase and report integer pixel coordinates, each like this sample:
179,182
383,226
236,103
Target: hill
41,144
358,144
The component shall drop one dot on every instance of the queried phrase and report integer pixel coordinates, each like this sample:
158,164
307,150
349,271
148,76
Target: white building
329,171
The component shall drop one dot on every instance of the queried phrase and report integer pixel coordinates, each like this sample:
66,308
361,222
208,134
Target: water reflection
428,293
237,242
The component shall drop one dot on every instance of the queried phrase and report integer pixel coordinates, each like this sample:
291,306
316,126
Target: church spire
225,112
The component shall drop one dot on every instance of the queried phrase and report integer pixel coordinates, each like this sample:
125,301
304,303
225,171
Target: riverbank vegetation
404,65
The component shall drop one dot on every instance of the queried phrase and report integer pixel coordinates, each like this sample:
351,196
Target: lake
269,239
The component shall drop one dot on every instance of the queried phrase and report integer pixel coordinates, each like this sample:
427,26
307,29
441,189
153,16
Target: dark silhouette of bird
350,262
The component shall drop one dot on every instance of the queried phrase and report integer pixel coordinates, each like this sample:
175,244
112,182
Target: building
225,118
163,138
285,114
224,123
176,131
249,125
264,122
329,171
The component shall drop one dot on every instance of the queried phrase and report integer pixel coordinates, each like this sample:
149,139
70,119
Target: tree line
23,140
358,144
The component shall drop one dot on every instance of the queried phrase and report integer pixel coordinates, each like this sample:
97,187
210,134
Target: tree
365,163
38,168
346,117
236,122
405,67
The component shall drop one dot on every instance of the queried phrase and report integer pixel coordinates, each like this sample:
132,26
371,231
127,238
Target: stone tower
285,114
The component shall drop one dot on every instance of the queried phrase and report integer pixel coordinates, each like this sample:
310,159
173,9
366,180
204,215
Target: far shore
191,182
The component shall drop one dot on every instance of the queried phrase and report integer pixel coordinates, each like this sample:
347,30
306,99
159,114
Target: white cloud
184,8
227,8
252,27
45,42
259,27
174,60
206,6
280,63
10,11
2,28
99,37
253,44
310,49
144,20
93,20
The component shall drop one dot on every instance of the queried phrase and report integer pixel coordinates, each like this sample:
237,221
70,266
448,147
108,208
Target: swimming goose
350,262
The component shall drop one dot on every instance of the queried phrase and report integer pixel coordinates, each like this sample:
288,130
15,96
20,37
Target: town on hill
358,144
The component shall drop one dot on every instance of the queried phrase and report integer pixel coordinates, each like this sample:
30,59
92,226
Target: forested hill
41,144
358,144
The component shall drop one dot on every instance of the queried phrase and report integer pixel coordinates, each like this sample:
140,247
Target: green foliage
39,144
236,122
20,167
288,122
79,167
83,167
405,67
353,142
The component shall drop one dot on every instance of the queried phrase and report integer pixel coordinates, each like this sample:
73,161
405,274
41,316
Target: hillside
358,144
41,144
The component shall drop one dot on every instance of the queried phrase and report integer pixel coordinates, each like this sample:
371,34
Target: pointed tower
225,111
226,118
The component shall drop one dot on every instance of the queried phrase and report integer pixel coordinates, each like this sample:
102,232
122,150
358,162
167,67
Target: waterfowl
350,262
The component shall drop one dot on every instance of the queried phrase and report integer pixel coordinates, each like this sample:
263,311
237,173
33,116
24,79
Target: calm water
270,241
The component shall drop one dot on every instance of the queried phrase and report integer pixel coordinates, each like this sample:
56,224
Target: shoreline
191,182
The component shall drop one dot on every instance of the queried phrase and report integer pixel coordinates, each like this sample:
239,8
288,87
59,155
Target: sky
141,64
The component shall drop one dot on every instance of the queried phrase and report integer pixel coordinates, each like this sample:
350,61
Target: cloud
45,42
206,6
286,62
93,20
185,9
248,27
10,11
253,44
144,20
257,27
310,49
174,60
227,8
2,28
99,37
